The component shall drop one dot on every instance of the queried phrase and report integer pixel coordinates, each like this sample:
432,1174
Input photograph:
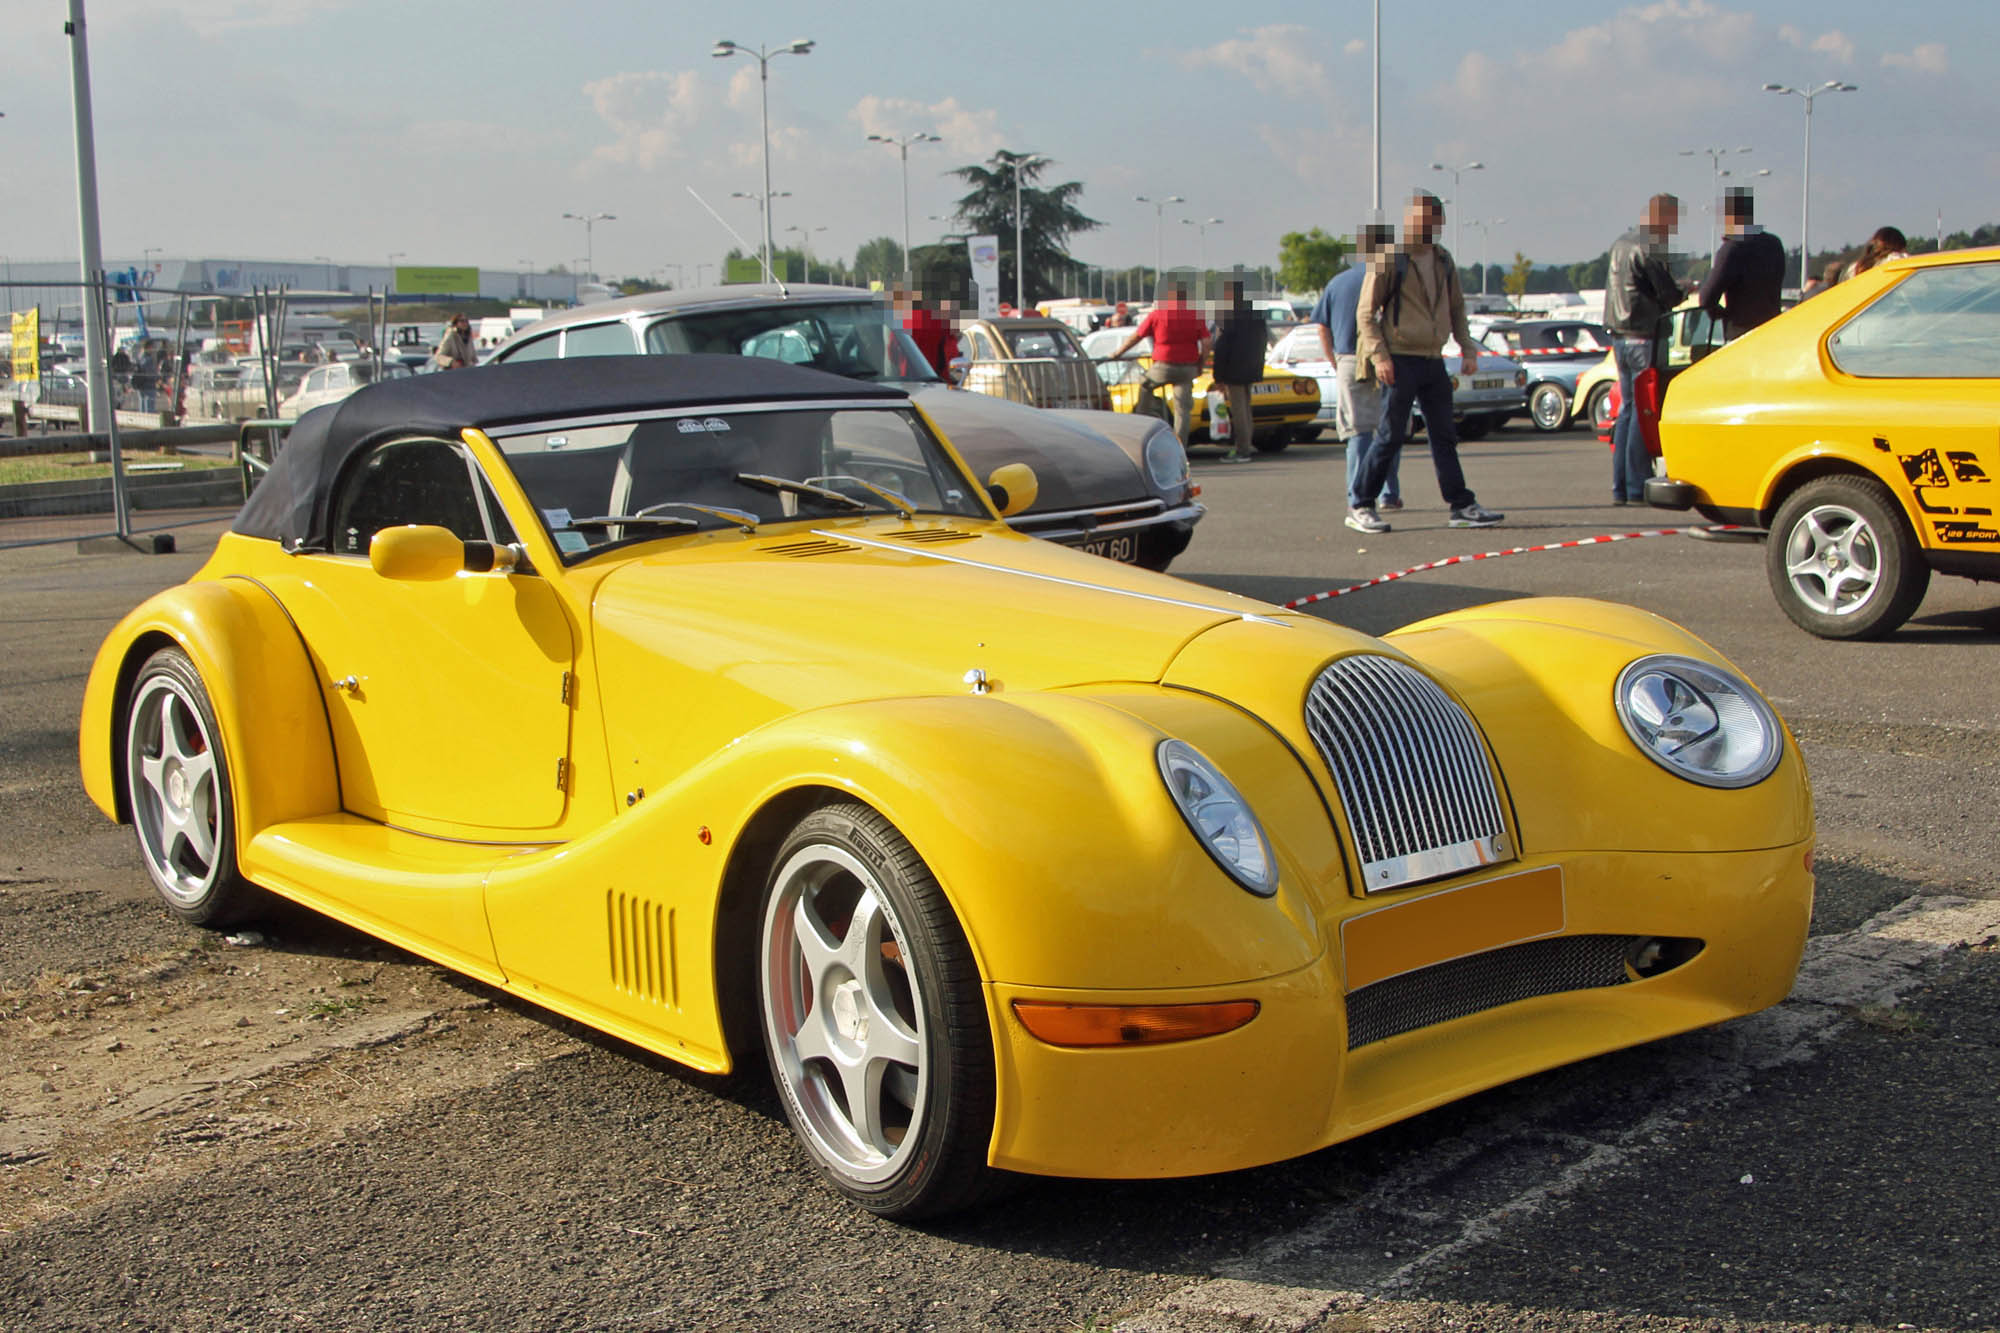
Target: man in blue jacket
1358,402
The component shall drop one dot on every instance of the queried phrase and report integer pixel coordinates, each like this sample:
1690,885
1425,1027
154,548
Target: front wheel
1274,440
873,1018
1475,427
177,789
1842,561
1548,407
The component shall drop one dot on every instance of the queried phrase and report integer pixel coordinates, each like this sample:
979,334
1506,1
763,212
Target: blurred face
1421,221
1663,216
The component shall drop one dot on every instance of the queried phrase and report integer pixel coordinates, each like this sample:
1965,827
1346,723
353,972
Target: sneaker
1390,504
1619,502
1364,520
1474,516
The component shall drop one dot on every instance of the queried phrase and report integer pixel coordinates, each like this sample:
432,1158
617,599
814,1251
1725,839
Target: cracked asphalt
310,1130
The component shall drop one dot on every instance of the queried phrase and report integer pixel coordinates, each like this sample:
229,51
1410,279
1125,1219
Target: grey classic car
1111,483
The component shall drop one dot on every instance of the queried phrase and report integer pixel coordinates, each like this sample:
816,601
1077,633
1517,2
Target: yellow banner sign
27,346
432,280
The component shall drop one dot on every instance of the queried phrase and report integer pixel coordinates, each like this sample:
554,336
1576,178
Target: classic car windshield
604,483
859,339
1052,343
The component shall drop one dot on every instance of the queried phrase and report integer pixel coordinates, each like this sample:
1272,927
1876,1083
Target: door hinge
562,775
568,686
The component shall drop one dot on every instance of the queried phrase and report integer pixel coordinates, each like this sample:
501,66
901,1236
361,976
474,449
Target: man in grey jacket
1638,293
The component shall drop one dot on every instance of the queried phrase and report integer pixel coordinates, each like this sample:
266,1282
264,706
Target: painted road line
1298,1279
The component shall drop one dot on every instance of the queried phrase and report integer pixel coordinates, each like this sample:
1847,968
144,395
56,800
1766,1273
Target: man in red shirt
932,335
1180,338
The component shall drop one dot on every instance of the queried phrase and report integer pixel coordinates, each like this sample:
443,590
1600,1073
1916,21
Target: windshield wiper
759,481
900,503
742,518
613,520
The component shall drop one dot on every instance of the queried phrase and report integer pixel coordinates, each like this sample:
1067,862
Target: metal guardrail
162,490
1037,381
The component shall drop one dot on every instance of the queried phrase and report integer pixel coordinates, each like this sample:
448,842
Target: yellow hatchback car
709,701
1859,429
1284,405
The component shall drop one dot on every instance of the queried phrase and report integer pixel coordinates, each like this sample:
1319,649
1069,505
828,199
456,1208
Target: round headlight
1520,379
1219,816
1698,721
1306,388
1166,461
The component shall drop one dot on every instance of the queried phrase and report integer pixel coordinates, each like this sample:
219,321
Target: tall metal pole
1020,259
764,88
1805,201
904,151
1378,112
102,417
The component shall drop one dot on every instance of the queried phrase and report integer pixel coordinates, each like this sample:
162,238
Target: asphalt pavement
387,1147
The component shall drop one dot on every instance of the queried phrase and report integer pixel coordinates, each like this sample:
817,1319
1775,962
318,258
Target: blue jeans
1421,380
1630,463
1359,447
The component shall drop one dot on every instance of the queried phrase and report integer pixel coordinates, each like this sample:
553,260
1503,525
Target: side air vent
934,536
641,934
810,547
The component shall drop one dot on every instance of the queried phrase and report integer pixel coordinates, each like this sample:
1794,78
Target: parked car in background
1555,353
1111,484
1034,361
710,705
1283,405
330,384
1858,428
1481,402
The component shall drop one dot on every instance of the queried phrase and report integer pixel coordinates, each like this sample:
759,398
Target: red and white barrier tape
1495,555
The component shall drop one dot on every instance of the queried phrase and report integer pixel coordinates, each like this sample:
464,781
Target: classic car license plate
1123,548
1493,382
1438,927
1267,388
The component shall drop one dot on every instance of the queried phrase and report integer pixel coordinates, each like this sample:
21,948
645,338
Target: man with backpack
1411,303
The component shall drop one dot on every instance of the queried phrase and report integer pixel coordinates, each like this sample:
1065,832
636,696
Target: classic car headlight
1219,816
1166,461
1698,721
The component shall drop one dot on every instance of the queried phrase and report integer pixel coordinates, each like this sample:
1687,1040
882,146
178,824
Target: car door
1918,375
448,699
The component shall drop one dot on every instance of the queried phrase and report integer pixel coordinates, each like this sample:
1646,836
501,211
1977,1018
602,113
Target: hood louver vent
934,536
805,550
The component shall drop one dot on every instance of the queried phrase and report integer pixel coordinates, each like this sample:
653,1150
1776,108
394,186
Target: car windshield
1046,343
859,339
607,483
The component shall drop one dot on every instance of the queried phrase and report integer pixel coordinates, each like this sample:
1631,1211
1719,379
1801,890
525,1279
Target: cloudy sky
459,133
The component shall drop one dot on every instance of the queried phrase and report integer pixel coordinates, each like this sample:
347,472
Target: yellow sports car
1284,405
1858,428
709,702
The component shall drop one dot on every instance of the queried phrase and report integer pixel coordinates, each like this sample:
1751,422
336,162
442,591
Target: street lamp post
697,271
1805,189
1159,229
1457,201
796,47
1485,228
1201,226
1714,156
806,248
389,283
589,221
902,147
763,203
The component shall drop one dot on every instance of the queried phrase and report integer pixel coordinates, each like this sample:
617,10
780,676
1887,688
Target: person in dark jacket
1639,292
1240,344
1746,281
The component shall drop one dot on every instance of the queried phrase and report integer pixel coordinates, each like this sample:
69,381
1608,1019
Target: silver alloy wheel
1548,406
841,1010
177,803
1833,560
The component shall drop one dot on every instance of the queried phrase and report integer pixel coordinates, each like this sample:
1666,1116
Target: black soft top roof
290,505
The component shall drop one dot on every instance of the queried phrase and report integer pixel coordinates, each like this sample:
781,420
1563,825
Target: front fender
260,683
1539,675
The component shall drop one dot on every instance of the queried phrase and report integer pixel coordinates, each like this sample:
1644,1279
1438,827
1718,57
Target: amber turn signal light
1130,1024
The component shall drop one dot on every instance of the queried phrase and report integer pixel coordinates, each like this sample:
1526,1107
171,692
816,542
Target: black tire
1548,406
916,1146
178,792
1159,547
1596,405
1272,440
1475,427
1843,561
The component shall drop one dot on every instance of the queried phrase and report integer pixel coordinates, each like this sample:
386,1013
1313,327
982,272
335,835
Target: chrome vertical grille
1411,770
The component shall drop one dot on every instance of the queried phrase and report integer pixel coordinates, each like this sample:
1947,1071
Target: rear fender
260,682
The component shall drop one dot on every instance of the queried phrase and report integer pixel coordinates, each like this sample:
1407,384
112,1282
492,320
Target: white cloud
221,15
1278,55
650,115
1833,43
1355,46
1929,58
966,131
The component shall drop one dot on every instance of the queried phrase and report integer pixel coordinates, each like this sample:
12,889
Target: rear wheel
1548,407
873,1018
1274,440
1597,407
1475,427
177,789
1843,562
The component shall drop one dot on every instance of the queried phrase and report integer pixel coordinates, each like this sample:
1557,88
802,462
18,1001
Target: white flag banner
985,254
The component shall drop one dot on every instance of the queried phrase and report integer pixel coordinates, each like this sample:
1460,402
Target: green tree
1308,260
1049,217
879,260
1516,282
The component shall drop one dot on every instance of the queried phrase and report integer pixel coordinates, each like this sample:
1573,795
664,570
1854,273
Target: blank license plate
1123,548
1267,388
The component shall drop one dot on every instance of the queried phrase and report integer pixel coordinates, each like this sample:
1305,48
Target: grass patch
78,467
